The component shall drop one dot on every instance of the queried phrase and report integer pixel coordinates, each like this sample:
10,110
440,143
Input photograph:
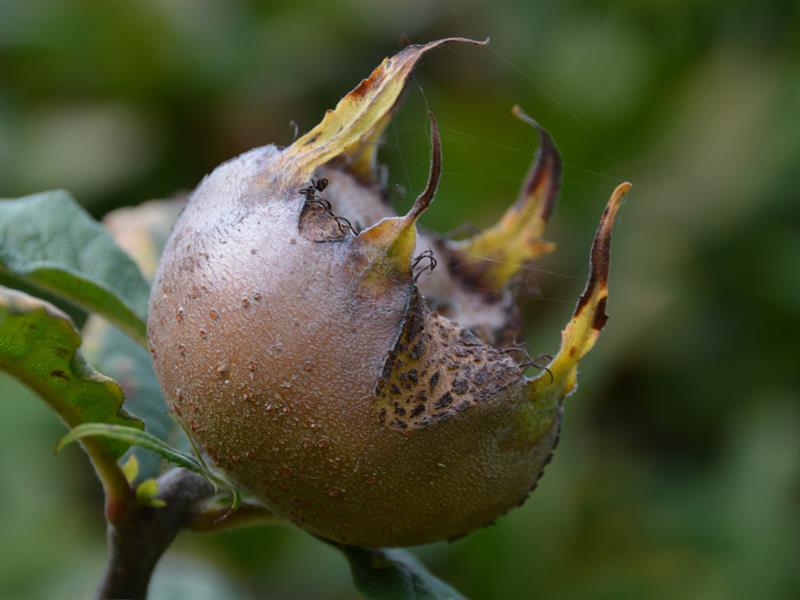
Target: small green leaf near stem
137,437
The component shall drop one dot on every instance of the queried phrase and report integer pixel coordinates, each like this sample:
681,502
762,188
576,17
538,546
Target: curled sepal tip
589,317
359,117
389,245
516,238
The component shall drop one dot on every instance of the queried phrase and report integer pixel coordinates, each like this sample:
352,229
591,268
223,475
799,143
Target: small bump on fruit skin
306,361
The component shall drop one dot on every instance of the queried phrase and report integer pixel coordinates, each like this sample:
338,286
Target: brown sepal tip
424,200
601,257
546,170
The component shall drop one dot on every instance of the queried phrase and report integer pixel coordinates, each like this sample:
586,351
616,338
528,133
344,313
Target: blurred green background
678,474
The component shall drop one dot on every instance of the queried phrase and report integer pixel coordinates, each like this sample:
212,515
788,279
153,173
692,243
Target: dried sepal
357,118
389,245
589,317
361,157
495,255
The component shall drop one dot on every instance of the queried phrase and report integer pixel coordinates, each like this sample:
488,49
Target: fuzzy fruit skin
269,347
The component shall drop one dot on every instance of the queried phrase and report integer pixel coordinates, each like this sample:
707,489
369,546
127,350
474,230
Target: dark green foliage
39,346
51,242
395,575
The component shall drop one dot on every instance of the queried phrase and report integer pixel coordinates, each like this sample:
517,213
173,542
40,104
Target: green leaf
394,575
39,346
133,437
115,354
141,231
49,241
137,437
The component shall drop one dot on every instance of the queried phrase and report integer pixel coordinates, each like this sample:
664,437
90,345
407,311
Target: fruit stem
137,541
212,517
120,500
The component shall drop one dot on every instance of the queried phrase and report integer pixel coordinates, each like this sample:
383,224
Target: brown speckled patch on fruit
436,370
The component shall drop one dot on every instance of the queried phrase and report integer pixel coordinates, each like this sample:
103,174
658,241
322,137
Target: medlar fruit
316,364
